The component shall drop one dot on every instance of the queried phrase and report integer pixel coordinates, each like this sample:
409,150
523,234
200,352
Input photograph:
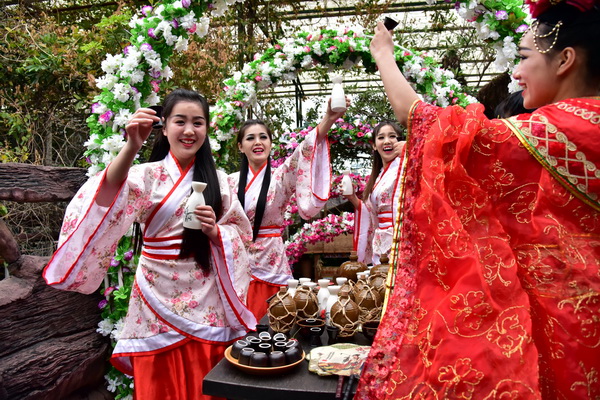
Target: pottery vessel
349,268
282,312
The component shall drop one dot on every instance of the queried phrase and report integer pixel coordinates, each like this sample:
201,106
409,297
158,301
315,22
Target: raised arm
329,119
138,129
400,94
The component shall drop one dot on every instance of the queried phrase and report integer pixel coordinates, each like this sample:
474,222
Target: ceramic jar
369,302
307,305
345,315
349,268
282,312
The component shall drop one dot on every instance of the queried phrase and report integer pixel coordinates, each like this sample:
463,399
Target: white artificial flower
158,10
113,143
107,158
112,383
152,99
111,63
93,170
167,73
214,144
188,21
177,4
121,91
220,7
106,82
123,117
181,44
93,143
116,332
136,76
202,27
105,327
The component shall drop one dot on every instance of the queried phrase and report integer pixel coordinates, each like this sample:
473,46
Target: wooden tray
261,370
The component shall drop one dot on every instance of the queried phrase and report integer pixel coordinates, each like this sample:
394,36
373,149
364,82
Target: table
225,380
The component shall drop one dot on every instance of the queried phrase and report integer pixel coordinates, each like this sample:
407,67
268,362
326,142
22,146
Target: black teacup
254,342
158,109
278,337
245,355
265,348
277,359
258,359
237,347
265,337
279,346
293,354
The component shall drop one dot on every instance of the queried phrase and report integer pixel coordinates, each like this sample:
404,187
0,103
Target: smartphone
390,24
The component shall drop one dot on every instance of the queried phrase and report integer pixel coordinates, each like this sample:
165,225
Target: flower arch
329,48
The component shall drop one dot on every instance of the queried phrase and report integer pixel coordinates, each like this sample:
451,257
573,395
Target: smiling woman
265,194
495,260
188,295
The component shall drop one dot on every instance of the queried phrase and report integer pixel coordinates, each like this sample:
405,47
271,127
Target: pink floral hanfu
305,174
374,218
173,300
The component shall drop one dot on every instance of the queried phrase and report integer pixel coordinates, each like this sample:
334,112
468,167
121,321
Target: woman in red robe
497,282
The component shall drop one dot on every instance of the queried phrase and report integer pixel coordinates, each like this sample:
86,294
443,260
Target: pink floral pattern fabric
307,174
179,299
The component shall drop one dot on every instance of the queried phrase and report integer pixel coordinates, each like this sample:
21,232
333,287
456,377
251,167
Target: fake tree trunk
49,347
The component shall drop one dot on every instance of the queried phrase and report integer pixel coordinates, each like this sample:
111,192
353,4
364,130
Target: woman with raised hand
265,193
497,280
188,297
375,214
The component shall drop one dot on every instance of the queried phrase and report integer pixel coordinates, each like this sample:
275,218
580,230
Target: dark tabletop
225,380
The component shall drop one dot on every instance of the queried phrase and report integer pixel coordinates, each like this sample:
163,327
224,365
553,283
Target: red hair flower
536,7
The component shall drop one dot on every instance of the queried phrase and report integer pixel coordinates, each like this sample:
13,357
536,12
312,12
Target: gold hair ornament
554,31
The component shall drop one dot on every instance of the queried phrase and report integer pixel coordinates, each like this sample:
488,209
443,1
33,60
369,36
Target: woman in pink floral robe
265,195
184,310
375,214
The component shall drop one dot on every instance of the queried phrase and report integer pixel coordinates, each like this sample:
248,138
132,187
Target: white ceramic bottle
196,199
323,293
333,297
338,97
292,286
347,187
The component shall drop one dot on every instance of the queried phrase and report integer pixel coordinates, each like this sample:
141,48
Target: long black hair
377,160
262,197
194,243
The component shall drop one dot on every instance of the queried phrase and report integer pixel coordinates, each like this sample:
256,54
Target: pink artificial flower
146,47
501,15
103,303
522,28
96,107
155,86
107,116
193,28
128,255
186,3
278,47
146,10
151,33
258,78
108,291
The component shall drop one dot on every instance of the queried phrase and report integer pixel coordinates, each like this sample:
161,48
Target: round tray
260,370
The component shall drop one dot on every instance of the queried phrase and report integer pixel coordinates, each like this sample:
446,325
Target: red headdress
536,7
